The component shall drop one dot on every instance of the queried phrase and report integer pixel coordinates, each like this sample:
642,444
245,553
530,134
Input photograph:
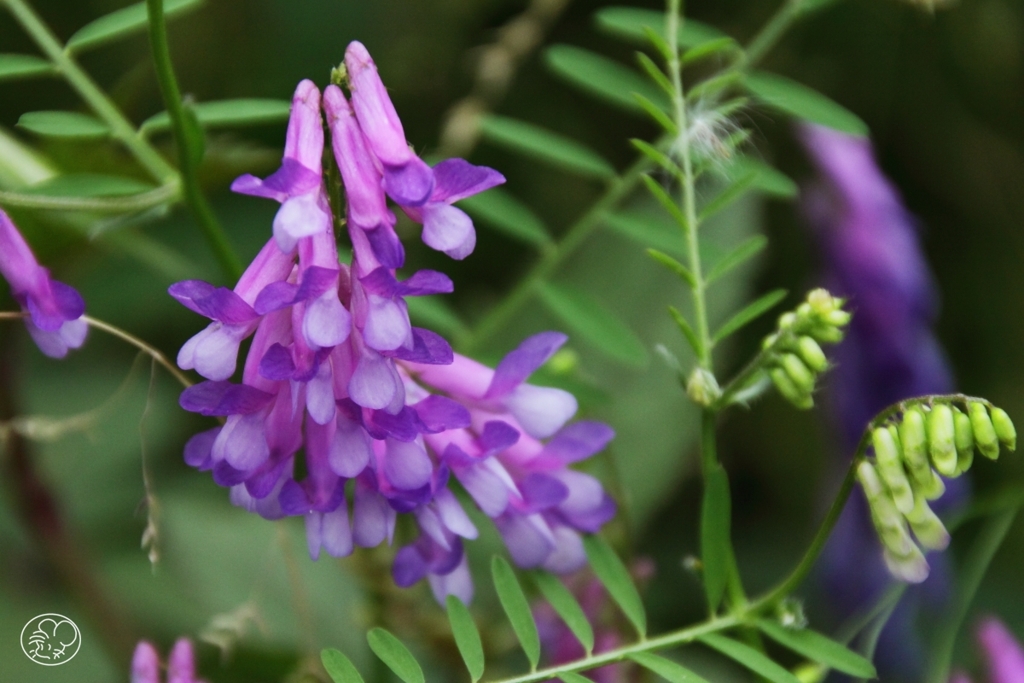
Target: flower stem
208,223
97,100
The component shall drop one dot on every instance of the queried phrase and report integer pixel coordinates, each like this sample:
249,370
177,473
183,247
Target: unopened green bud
869,480
927,527
787,320
891,526
984,432
1005,430
890,466
802,377
911,567
821,301
804,311
914,439
702,387
826,334
942,439
837,318
811,354
789,390
964,438
930,486
768,341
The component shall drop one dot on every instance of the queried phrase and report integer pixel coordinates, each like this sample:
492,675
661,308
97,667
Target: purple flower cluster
342,398
872,256
181,667
54,309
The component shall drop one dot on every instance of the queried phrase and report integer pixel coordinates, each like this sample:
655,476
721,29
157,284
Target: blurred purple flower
871,254
181,667
1003,654
338,385
54,309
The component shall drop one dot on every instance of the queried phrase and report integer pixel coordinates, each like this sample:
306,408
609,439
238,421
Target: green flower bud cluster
796,358
909,455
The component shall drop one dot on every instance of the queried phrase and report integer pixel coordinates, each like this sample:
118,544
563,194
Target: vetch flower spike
54,309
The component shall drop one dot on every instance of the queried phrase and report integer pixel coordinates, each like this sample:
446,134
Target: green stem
172,98
771,32
975,566
129,204
120,127
577,234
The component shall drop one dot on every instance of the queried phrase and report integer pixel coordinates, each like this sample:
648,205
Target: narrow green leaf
395,655
88,185
672,672
819,648
662,196
513,601
568,609
657,156
715,525
572,677
727,196
120,23
655,73
13,66
339,667
657,114
687,330
593,322
712,87
769,180
748,657
796,99
502,211
710,49
675,266
615,577
602,77
226,114
435,313
647,230
63,124
751,312
467,637
628,24
546,146
747,250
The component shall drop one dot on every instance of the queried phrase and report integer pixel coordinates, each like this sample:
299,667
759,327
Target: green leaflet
647,230
88,185
546,146
567,608
467,637
63,124
769,180
593,322
628,23
395,655
675,266
13,66
513,601
796,99
716,522
748,657
121,23
727,196
818,648
615,577
501,210
745,251
226,113
666,668
752,311
602,77
570,677
339,667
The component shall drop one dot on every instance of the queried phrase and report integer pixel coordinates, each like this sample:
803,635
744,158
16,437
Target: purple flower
339,386
1003,654
871,255
54,309
181,667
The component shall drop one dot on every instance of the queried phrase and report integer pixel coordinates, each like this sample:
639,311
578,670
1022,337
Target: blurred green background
943,95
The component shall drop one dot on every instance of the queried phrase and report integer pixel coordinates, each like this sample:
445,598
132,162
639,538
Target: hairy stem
93,95
771,32
194,196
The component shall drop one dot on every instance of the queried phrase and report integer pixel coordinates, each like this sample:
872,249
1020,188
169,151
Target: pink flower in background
54,309
181,667
1001,652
